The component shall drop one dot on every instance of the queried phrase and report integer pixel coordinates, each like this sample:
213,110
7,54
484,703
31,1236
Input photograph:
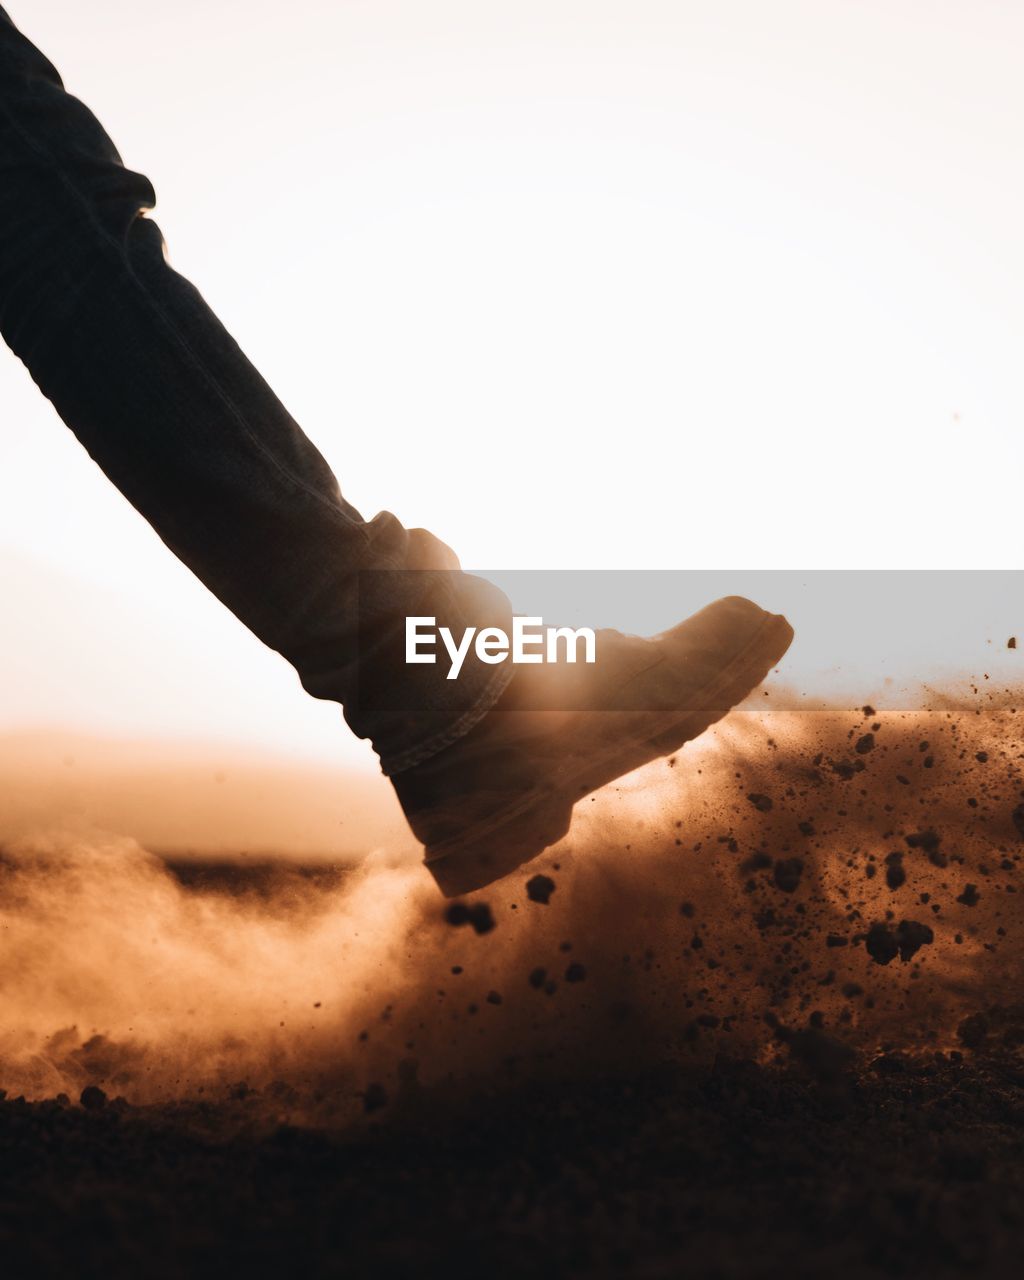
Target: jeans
163,399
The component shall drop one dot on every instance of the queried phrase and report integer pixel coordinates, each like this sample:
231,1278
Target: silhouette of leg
487,768
161,396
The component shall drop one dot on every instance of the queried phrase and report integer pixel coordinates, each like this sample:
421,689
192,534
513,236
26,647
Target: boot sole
521,831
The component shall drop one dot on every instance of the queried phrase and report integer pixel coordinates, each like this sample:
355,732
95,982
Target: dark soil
908,1169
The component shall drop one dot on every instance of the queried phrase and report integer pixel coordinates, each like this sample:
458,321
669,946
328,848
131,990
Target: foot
503,793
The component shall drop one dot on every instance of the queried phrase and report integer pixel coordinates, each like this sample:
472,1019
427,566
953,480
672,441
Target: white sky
578,283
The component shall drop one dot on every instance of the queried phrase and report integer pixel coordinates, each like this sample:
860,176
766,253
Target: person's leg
487,767
163,399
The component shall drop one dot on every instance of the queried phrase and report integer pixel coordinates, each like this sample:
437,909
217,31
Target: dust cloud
814,885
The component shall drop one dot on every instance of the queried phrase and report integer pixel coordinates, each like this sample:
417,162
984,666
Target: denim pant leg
166,403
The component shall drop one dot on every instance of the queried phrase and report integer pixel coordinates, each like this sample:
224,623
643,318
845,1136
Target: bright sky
580,283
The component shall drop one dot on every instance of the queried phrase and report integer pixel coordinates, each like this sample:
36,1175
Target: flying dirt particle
540,888
576,972
973,1031
864,744
479,915
881,944
481,919
686,909
375,1097
1018,820
787,874
762,803
869,712
970,895
836,940
536,978
912,936
895,875
846,769
807,829
494,997
929,841
884,943
93,1098
1012,642
981,757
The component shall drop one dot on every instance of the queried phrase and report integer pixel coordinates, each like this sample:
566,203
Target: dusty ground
759,1016
907,1170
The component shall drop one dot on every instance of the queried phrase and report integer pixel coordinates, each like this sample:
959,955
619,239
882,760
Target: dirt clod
539,888
787,873
885,942
478,915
